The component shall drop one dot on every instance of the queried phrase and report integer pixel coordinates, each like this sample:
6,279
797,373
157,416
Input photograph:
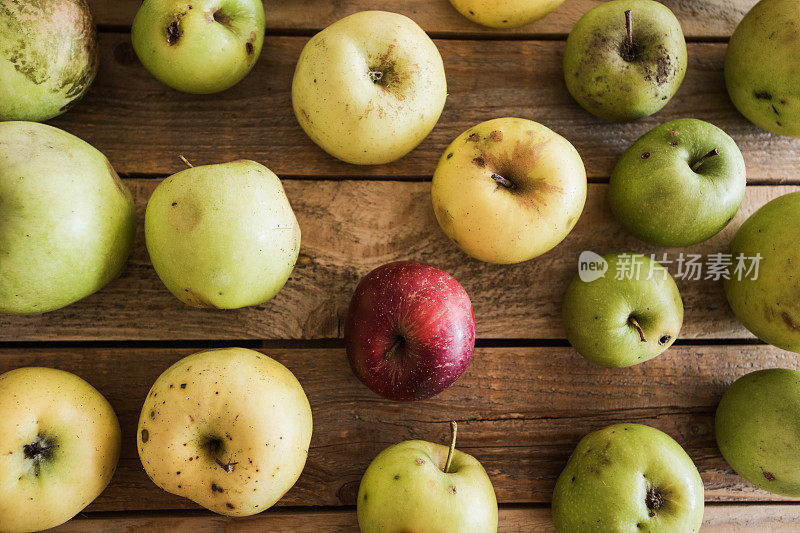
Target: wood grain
142,125
349,228
718,518
699,19
521,411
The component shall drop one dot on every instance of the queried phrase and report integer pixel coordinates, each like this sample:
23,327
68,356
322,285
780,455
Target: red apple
410,331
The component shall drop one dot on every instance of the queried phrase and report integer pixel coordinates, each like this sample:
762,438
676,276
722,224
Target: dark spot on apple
365,496
183,385
145,435
174,204
762,95
217,488
473,137
174,33
452,489
479,162
229,505
674,143
420,461
775,110
769,476
249,47
664,339
178,473
505,21
645,155
673,133
222,18
396,477
662,70
573,478
471,12
152,415
496,136
189,6
789,321
449,155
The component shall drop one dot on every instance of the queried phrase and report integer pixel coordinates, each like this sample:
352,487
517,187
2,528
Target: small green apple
764,298
625,59
228,428
48,57
426,488
761,66
505,13
622,320
679,184
67,221
222,236
199,46
508,190
60,442
628,477
369,88
756,428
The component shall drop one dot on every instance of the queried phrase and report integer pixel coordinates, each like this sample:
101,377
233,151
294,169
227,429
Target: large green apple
426,488
764,279
229,429
60,443
628,477
222,236
625,59
679,184
66,220
200,46
627,316
48,57
756,426
508,190
761,66
505,13
369,88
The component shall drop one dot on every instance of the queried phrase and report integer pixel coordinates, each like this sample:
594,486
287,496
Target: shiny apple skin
427,308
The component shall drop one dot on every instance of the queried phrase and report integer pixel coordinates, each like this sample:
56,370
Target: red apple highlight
410,331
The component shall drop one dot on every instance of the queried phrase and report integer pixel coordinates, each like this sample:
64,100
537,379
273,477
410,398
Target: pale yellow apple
59,446
508,190
228,429
505,13
369,88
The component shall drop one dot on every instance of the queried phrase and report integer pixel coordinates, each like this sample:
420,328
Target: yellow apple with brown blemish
229,429
508,190
505,13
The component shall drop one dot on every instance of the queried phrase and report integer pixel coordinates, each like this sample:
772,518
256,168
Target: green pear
761,66
628,315
48,57
628,477
686,167
426,488
625,59
222,236
764,285
67,222
756,428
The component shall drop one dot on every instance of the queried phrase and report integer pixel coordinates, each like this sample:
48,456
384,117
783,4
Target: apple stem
227,467
453,434
186,161
703,159
507,183
635,324
393,349
627,51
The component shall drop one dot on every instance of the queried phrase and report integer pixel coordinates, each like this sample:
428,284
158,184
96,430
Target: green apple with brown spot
59,446
228,429
508,190
369,88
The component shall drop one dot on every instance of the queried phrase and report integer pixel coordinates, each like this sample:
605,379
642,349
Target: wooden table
527,398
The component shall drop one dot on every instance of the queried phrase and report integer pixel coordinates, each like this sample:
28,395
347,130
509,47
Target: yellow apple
369,88
505,13
59,446
229,429
508,190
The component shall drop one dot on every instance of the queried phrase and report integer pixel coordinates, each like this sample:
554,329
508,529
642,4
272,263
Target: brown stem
186,161
703,159
227,467
453,434
505,182
635,324
394,348
627,48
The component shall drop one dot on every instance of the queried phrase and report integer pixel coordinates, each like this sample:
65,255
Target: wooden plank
350,227
699,19
142,125
521,411
719,518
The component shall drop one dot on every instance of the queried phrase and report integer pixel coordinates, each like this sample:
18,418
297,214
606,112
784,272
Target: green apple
426,488
229,429
628,477
60,443
756,428
199,46
505,13
763,292
369,88
625,59
508,190
630,314
67,222
685,166
761,66
48,57
222,236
